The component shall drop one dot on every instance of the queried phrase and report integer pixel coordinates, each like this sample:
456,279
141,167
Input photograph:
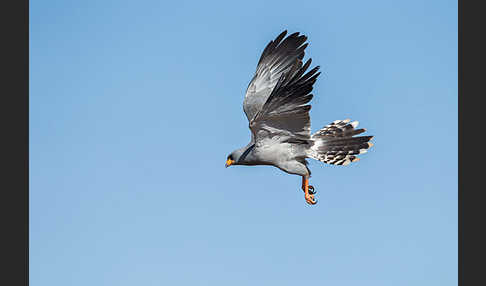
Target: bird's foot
310,199
309,192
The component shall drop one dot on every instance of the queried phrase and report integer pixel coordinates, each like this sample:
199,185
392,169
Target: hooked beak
229,162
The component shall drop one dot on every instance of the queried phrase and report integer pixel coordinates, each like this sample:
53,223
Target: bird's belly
272,154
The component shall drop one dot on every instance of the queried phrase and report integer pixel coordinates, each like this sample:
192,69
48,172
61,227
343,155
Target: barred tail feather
334,143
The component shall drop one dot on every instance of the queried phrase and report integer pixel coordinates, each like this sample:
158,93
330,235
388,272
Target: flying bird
276,105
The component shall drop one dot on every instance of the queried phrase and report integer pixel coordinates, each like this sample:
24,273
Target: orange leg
309,196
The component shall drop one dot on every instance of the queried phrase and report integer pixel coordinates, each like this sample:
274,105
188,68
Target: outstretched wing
277,58
285,113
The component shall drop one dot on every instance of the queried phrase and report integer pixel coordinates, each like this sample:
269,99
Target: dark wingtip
281,36
294,35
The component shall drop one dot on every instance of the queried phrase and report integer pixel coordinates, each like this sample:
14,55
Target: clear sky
134,106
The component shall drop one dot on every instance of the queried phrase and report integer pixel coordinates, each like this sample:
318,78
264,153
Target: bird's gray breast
273,152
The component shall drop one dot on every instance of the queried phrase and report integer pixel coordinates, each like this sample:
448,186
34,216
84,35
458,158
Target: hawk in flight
276,105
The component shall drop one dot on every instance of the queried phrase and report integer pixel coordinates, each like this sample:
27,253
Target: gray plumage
276,105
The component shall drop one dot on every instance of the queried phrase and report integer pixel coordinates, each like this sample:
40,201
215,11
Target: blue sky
134,106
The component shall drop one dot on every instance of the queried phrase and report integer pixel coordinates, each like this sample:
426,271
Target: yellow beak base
229,162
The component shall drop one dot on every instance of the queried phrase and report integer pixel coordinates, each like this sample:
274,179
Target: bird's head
240,156
232,158
229,161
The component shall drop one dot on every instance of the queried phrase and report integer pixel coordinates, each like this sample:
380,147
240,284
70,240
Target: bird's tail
334,144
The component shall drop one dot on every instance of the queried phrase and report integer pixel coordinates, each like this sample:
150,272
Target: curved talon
312,191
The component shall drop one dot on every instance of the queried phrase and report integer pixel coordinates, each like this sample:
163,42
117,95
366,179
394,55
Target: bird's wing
285,113
278,57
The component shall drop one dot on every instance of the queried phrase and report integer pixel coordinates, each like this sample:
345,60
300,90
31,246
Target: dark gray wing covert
278,57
